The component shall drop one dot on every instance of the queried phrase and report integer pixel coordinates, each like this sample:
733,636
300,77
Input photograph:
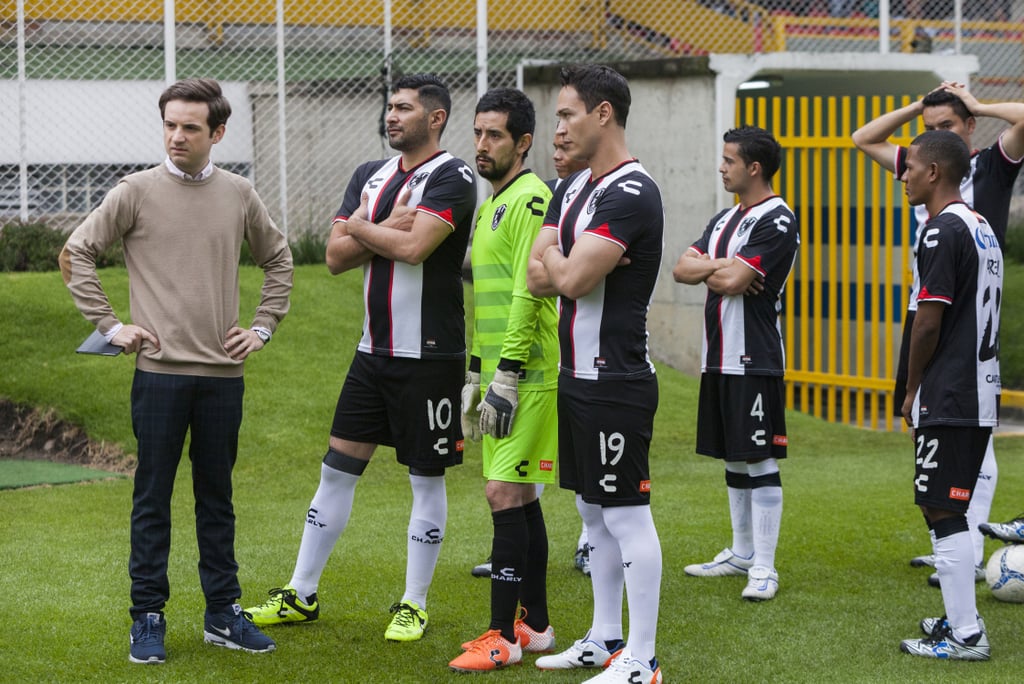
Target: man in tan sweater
182,225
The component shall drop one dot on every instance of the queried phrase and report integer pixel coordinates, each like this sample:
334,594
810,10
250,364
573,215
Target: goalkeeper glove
498,409
470,412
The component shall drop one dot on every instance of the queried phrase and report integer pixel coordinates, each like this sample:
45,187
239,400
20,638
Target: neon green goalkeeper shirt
508,321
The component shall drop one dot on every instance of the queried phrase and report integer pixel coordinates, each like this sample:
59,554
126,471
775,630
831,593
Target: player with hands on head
405,221
952,390
744,257
987,188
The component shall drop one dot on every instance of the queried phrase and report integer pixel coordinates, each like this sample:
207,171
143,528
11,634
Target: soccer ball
1005,573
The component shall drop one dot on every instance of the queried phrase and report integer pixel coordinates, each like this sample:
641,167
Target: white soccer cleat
582,653
943,645
926,561
762,584
726,563
626,669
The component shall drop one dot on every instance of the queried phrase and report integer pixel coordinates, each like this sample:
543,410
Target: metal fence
79,78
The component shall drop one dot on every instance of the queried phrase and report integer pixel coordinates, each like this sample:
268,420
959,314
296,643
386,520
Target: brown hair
200,90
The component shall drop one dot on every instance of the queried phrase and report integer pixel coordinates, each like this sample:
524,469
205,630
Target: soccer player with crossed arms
405,221
600,251
515,360
744,257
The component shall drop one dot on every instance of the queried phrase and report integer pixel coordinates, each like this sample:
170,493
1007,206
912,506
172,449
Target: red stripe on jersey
604,231
721,336
391,316
445,215
926,296
572,339
754,263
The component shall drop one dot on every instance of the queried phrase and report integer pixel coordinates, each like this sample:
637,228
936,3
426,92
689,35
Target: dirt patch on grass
32,434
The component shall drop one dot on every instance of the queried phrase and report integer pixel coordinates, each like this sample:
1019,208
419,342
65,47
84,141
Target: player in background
565,166
515,357
952,391
987,188
406,222
744,257
600,251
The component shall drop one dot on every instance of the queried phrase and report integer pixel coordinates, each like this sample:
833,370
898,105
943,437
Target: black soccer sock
508,560
533,592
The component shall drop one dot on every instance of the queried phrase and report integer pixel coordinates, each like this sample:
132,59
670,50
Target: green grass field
847,593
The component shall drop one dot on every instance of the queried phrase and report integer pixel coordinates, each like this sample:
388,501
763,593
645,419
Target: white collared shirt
202,175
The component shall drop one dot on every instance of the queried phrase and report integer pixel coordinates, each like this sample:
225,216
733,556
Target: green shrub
29,247
1015,242
36,246
308,248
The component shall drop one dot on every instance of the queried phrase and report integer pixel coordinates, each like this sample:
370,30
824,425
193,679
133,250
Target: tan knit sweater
181,245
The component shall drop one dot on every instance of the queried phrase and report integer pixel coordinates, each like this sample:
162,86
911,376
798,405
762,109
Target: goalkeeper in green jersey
510,396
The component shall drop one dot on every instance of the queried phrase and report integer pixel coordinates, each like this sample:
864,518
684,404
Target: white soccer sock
633,527
954,561
739,513
582,541
426,532
325,521
606,577
981,501
766,513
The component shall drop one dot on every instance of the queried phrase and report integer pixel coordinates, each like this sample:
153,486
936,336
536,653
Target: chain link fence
308,79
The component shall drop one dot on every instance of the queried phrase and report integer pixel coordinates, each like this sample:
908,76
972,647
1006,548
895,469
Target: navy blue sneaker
233,628
147,640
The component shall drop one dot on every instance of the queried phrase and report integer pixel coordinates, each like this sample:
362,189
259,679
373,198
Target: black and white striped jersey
416,311
961,265
742,334
603,335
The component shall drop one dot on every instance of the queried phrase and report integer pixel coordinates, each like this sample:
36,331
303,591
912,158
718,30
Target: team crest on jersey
592,204
417,179
499,214
747,224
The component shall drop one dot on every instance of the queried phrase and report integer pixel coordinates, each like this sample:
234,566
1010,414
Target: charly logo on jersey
720,225
417,179
592,204
747,224
499,214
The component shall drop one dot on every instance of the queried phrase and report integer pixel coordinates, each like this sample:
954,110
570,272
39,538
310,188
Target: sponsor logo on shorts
959,494
547,465
780,440
458,444
645,486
